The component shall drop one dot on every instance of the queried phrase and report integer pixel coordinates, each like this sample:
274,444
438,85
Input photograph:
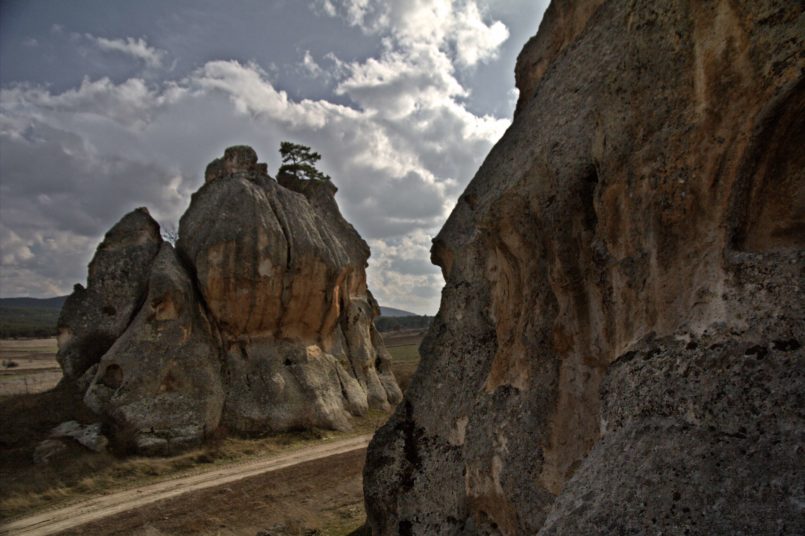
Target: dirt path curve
53,521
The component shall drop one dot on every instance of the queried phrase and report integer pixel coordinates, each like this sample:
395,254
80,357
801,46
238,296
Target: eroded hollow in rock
774,202
112,376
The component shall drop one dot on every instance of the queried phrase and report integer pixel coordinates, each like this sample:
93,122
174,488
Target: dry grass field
319,495
404,350
28,366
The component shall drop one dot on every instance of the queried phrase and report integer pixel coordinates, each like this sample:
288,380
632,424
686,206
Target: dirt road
51,522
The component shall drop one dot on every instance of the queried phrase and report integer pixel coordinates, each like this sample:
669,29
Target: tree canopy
300,160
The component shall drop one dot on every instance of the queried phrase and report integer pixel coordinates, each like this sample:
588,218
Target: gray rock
93,318
274,385
650,185
48,450
160,384
704,435
90,435
283,277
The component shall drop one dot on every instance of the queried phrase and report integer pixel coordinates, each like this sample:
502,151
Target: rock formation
259,320
619,344
93,318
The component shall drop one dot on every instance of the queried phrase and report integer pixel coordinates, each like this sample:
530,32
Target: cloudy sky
107,105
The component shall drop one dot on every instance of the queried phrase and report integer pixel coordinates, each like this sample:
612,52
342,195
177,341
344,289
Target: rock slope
619,344
259,320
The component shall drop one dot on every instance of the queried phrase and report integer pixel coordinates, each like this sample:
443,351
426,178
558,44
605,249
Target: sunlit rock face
259,320
619,343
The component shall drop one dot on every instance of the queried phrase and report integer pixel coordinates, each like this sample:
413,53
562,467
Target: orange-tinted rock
649,191
283,277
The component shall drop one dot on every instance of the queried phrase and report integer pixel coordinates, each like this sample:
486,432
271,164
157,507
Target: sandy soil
29,346
189,504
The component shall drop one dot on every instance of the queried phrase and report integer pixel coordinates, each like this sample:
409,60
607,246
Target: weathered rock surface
160,382
93,318
619,344
259,320
87,435
283,277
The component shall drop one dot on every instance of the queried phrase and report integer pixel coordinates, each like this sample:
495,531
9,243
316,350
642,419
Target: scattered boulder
89,435
622,277
259,319
48,450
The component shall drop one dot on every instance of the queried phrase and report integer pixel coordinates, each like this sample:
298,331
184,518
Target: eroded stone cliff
619,343
259,319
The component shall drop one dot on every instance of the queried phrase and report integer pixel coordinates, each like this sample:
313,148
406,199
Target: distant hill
391,311
29,317
392,319
35,303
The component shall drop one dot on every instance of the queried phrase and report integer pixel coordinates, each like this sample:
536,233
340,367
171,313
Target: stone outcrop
93,318
88,435
259,320
160,383
619,344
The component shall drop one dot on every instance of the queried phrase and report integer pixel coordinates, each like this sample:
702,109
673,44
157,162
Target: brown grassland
28,366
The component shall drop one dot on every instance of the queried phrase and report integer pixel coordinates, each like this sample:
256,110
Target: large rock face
619,344
259,320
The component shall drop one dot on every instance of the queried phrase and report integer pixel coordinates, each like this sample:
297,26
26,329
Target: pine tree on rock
300,160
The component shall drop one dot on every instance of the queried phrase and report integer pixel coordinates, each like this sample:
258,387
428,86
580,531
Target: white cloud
311,66
136,48
476,41
28,263
249,90
131,102
15,249
400,151
325,7
454,27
